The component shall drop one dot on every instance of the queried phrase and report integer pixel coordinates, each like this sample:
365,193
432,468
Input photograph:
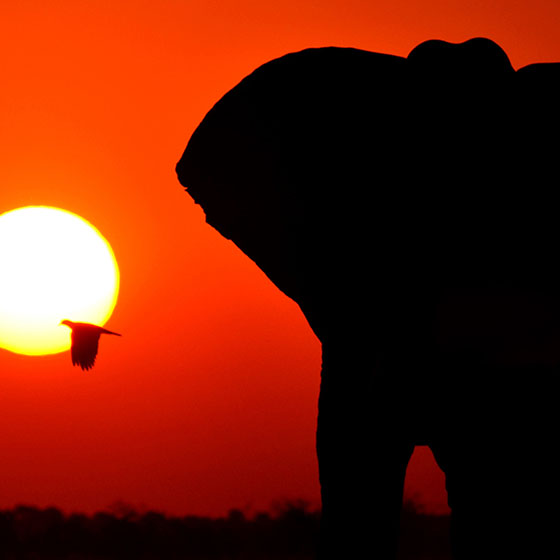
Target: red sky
209,399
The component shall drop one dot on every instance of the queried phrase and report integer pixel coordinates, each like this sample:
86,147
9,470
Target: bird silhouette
85,342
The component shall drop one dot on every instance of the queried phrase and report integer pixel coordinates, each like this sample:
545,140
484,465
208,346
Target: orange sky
209,399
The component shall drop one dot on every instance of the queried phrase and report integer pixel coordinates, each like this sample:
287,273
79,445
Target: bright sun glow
54,265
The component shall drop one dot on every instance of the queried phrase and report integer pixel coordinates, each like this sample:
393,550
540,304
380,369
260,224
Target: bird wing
85,343
105,331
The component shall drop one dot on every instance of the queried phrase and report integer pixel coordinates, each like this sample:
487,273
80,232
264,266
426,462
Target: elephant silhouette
408,205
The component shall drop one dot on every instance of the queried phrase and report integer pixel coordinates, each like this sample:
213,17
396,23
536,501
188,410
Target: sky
209,400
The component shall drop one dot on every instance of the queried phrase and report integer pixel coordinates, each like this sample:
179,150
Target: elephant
408,206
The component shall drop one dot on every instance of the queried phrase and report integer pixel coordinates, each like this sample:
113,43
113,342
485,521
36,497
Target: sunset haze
209,400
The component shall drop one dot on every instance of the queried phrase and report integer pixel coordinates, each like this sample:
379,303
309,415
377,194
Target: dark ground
287,533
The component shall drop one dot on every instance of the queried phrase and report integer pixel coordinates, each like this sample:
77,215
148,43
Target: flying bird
85,341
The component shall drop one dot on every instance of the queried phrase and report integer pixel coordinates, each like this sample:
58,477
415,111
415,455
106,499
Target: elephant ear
539,121
291,164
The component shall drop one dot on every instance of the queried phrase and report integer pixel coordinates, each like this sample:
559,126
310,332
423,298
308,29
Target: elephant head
337,169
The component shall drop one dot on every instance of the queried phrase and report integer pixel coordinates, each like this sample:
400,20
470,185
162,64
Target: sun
54,265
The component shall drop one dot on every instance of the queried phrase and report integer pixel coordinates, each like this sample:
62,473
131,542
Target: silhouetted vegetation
288,533
423,536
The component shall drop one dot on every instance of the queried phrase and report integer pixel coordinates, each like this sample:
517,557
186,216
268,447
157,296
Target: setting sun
55,265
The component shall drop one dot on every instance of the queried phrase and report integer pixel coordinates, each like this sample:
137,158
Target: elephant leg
363,454
499,454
